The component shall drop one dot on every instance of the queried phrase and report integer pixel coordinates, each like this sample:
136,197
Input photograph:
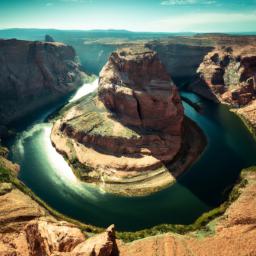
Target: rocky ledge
131,137
27,228
230,74
232,234
33,74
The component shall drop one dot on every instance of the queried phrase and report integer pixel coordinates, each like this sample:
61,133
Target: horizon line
126,30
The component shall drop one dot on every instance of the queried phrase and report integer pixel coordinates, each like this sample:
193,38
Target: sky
134,15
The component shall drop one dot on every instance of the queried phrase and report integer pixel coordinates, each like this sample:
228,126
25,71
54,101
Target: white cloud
188,2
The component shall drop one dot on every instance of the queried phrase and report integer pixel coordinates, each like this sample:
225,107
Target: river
204,186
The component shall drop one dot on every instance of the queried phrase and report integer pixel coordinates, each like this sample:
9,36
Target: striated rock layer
33,74
135,85
132,136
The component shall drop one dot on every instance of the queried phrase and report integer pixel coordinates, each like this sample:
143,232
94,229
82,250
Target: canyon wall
230,74
181,60
29,229
33,74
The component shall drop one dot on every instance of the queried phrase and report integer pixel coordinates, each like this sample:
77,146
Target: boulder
103,244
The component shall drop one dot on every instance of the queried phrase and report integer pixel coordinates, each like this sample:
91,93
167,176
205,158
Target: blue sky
135,15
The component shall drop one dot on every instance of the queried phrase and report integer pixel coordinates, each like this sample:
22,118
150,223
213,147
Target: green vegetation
80,170
232,76
201,226
89,78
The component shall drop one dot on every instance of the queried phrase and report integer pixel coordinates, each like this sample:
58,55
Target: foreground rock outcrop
132,137
27,228
33,74
232,234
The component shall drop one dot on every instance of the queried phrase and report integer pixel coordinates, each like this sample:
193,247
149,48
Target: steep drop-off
28,228
33,74
230,73
131,138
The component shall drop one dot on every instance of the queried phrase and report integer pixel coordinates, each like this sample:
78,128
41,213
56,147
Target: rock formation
33,74
125,136
135,85
28,229
232,234
230,73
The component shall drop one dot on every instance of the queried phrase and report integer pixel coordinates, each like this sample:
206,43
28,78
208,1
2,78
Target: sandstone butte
132,137
230,74
34,74
29,229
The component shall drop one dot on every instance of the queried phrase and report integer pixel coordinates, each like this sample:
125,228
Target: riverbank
231,219
230,234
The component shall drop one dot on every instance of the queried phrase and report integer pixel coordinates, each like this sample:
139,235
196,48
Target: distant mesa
132,137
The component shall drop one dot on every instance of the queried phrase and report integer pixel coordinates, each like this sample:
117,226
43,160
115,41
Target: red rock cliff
135,85
230,73
33,74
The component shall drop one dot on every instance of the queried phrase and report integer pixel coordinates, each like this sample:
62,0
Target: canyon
28,228
222,70
131,138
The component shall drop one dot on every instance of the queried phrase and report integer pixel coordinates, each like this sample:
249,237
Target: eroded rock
100,245
33,74
135,85
45,238
123,137
230,73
